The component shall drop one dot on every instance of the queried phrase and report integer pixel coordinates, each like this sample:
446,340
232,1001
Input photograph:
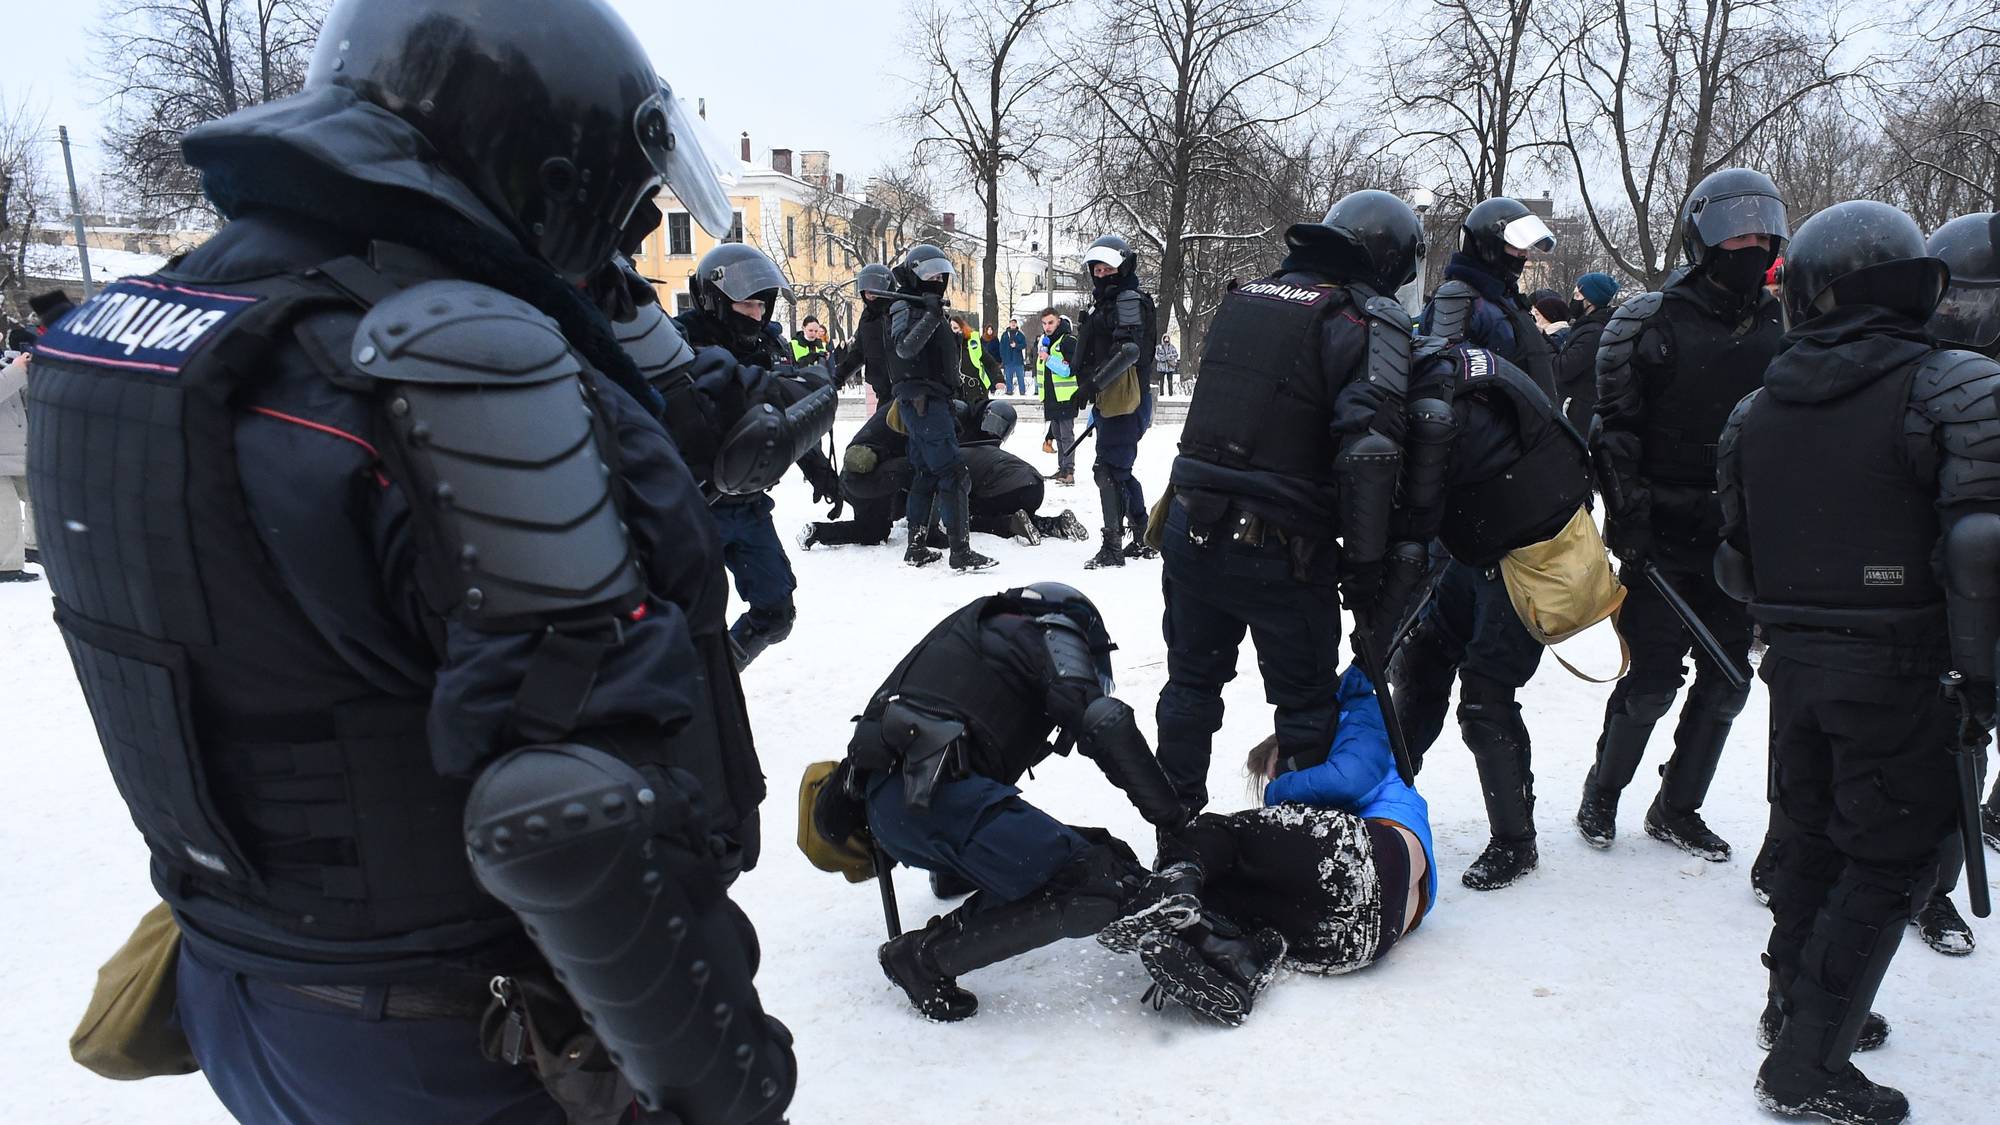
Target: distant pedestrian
17,528
1014,358
1167,361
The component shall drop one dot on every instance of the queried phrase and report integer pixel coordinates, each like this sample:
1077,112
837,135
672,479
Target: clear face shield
1969,315
1731,216
1529,234
668,140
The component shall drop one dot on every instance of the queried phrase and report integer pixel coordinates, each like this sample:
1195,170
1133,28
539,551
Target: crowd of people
405,631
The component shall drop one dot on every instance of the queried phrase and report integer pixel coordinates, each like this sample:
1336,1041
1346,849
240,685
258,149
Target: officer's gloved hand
1975,716
1360,586
1630,536
825,486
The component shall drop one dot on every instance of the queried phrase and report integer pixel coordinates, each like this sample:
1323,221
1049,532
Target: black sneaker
1874,1029
1597,816
1763,870
1843,1096
808,535
1167,901
934,995
916,554
1064,525
1501,865
1137,549
19,576
1943,928
1989,825
1687,832
1022,527
965,558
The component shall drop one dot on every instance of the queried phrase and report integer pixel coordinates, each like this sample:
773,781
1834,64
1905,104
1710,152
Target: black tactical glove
1975,713
1630,536
825,486
1360,586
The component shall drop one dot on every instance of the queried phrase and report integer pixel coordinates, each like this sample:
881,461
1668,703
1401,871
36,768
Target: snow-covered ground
1619,987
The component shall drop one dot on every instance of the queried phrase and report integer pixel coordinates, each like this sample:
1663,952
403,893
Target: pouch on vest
1562,586
833,826
930,747
1122,396
129,1031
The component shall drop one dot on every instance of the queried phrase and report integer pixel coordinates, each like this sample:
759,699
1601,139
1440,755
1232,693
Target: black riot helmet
1064,606
551,113
1969,314
1112,251
998,420
1374,235
1496,224
735,272
1861,253
1730,203
923,268
875,278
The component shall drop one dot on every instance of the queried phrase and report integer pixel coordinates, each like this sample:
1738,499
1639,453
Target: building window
680,234
682,303
735,227
791,236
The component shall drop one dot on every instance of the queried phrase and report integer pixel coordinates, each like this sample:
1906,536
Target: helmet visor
753,275
1969,315
1731,216
1104,256
669,141
1529,232
932,269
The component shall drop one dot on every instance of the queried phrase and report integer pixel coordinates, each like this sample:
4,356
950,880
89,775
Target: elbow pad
1433,427
1368,469
766,441
1972,592
911,343
611,872
1111,738
1733,574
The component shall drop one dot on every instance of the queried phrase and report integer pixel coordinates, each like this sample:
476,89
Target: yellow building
793,207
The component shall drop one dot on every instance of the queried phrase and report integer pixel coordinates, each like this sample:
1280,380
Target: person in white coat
17,530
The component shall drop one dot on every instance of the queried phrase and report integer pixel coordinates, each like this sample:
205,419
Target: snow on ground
1619,987
106,266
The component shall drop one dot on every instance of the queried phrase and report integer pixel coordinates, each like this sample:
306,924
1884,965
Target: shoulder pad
1069,649
1389,345
1620,339
1451,310
1957,386
1389,310
653,341
459,332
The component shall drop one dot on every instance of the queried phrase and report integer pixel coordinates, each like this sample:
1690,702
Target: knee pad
1647,707
958,479
773,622
1717,698
1489,724
1103,474
1094,887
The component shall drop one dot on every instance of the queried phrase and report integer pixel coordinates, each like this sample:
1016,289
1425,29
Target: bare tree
24,192
1465,88
1671,91
169,65
982,75
1942,127
1183,100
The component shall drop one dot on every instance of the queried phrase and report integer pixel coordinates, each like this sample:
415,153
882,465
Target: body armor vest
1528,501
869,333
1007,722
1711,369
1260,403
1837,519
1532,351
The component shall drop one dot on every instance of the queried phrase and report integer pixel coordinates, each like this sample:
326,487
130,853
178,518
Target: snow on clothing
1316,862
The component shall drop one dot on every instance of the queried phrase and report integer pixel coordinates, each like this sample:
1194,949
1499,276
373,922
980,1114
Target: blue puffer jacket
1359,775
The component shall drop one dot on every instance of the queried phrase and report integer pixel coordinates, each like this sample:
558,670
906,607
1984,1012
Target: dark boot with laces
1686,831
1212,969
1942,927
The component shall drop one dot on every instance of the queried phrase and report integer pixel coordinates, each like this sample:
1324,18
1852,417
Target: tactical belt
396,1001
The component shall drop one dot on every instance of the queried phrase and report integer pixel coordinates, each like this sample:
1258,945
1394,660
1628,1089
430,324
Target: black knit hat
50,306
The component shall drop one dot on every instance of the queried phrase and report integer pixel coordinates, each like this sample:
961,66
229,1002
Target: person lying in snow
1327,876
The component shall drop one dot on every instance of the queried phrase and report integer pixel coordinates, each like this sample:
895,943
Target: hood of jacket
1842,351
1464,267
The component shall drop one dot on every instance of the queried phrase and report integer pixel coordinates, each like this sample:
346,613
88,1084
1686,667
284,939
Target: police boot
1941,926
1499,745
1138,548
1628,722
1874,1029
1989,818
1808,1072
1112,499
1164,901
916,553
1212,968
1675,815
808,537
958,515
1062,526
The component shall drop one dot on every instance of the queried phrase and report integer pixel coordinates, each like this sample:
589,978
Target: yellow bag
1122,396
851,855
1562,586
129,1032
895,418
1156,520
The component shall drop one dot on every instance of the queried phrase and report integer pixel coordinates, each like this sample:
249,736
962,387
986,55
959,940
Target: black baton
1737,678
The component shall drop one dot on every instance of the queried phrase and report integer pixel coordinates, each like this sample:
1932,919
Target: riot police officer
865,352
403,622
1470,630
1298,409
735,288
1864,604
1115,349
936,757
924,379
1670,367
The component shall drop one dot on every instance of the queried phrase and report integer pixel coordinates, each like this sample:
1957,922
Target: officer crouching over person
1866,603
404,635
936,759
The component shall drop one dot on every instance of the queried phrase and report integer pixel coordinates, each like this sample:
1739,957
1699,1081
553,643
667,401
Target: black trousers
1659,642
1862,790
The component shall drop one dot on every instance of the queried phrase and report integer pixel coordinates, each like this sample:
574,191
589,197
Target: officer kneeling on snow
935,758
403,624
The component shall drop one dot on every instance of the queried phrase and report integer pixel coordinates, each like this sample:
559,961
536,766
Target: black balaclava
1739,271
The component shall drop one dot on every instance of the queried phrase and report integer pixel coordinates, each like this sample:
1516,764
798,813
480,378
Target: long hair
1259,764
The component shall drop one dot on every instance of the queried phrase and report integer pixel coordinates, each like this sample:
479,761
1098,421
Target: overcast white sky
799,74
